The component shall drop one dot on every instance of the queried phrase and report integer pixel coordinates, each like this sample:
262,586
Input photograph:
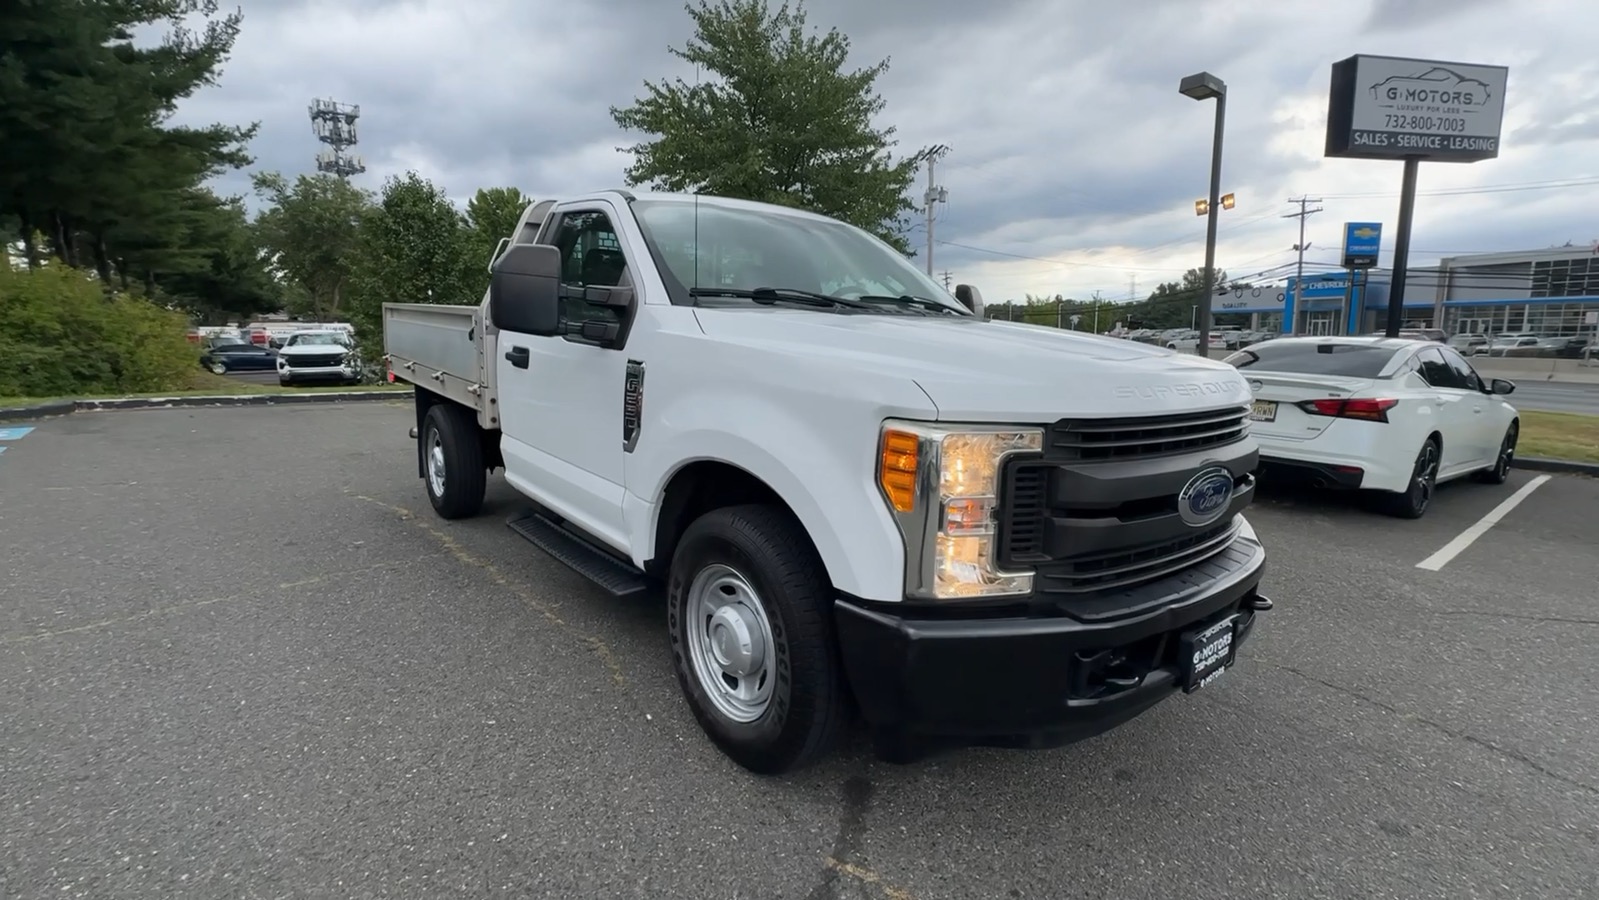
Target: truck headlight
942,484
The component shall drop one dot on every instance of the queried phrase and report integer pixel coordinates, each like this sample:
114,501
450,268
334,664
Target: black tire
285,382
459,493
1413,502
218,368
1499,473
807,710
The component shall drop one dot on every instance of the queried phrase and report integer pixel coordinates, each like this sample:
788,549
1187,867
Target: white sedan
1390,415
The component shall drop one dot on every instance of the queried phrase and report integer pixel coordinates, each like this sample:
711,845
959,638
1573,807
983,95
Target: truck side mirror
971,298
525,290
498,249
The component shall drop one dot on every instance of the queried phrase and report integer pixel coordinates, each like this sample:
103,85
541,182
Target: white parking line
1469,536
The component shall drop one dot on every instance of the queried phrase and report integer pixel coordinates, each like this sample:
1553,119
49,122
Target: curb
1558,466
64,407
42,411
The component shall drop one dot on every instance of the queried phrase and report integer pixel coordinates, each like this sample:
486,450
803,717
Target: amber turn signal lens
896,470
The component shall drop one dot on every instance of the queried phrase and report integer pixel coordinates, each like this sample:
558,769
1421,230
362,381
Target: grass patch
204,384
1553,435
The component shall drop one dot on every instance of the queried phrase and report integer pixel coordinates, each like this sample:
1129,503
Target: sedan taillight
1366,409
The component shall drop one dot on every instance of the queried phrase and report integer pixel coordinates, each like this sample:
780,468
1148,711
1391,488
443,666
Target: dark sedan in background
234,357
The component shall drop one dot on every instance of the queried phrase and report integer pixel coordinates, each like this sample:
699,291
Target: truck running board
614,576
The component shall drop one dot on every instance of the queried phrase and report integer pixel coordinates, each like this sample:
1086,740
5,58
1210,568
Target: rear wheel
1412,502
452,462
1500,472
219,368
749,613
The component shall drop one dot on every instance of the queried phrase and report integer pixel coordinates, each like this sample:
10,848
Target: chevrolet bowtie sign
1362,244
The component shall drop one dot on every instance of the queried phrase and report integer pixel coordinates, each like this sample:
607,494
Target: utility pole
1097,301
1132,289
1299,281
947,279
935,194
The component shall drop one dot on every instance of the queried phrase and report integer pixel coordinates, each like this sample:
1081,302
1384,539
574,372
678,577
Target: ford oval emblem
1205,497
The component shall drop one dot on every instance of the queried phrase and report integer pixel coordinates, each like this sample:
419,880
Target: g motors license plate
1206,653
1263,411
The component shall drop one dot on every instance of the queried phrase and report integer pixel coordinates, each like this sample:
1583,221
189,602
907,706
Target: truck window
591,254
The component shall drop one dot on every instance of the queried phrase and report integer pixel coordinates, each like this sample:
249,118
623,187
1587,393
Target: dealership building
1552,293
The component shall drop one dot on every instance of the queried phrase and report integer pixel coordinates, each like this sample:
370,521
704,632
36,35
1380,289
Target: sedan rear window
1330,358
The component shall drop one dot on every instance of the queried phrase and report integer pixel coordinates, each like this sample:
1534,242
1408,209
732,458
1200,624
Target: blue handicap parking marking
14,434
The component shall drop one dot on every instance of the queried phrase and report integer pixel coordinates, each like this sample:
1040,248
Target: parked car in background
1391,415
323,355
223,357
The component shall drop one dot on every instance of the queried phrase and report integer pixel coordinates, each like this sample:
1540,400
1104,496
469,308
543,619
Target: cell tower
334,124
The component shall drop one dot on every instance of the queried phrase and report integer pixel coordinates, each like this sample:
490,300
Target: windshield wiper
770,295
908,300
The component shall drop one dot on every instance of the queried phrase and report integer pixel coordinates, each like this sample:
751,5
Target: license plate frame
1207,652
1263,411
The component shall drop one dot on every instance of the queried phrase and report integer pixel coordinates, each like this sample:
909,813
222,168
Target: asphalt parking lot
243,659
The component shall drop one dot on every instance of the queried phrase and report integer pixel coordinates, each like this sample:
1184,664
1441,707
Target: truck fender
846,519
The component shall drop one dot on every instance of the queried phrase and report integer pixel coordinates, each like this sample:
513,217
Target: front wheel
1412,502
219,368
452,462
1500,471
749,614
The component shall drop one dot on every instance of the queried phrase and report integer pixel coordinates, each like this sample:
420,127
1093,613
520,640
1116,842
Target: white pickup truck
859,496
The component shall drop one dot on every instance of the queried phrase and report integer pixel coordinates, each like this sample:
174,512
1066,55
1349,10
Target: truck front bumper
1044,678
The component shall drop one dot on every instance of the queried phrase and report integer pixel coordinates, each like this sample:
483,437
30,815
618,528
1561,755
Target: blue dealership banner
1362,243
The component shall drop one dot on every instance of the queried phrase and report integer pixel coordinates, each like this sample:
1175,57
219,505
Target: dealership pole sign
1383,107
1362,242
1389,107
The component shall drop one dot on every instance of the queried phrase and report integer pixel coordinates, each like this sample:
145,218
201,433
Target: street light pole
1205,86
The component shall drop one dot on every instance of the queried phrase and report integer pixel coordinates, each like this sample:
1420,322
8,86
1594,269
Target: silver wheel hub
435,462
729,642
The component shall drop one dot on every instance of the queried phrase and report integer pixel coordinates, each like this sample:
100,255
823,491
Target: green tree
490,216
312,228
1171,304
414,249
775,118
231,277
87,158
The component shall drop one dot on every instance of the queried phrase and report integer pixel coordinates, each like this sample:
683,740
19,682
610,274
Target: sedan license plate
1206,653
1263,411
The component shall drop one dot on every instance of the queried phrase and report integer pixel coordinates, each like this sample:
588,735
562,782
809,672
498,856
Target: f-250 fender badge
632,404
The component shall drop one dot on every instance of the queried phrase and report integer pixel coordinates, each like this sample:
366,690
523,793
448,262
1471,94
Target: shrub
60,334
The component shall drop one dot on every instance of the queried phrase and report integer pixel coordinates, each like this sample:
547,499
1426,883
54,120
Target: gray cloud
1070,142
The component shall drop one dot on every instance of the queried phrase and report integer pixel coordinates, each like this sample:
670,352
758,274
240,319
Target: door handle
517,356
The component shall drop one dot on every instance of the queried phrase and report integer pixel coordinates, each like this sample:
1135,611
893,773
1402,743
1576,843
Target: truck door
561,404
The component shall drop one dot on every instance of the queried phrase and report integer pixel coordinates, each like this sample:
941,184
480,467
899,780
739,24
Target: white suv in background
320,355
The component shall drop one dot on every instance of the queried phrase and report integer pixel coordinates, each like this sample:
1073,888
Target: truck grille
315,361
1107,571
1095,439
1098,512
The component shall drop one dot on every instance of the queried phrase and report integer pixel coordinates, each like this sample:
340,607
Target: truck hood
975,370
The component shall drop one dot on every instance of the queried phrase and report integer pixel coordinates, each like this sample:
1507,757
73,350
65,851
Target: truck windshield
707,245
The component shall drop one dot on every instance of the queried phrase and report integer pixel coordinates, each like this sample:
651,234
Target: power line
1510,187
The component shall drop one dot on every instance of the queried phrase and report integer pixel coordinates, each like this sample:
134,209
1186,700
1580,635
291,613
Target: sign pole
1407,213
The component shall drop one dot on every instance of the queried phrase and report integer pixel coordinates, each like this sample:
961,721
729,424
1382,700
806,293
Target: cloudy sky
1074,165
